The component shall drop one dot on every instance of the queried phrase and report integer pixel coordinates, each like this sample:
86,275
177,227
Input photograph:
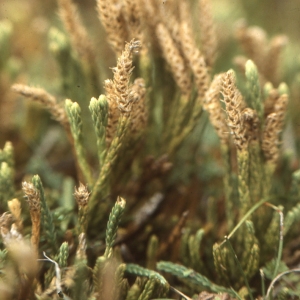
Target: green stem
280,245
245,217
240,267
263,287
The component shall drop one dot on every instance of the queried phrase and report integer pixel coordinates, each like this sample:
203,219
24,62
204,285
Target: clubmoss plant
201,154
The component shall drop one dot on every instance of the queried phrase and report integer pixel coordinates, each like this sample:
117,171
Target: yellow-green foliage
165,139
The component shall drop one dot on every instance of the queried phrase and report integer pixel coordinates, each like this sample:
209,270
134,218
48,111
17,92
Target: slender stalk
250,211
240,267
263,286
280,246
277,278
